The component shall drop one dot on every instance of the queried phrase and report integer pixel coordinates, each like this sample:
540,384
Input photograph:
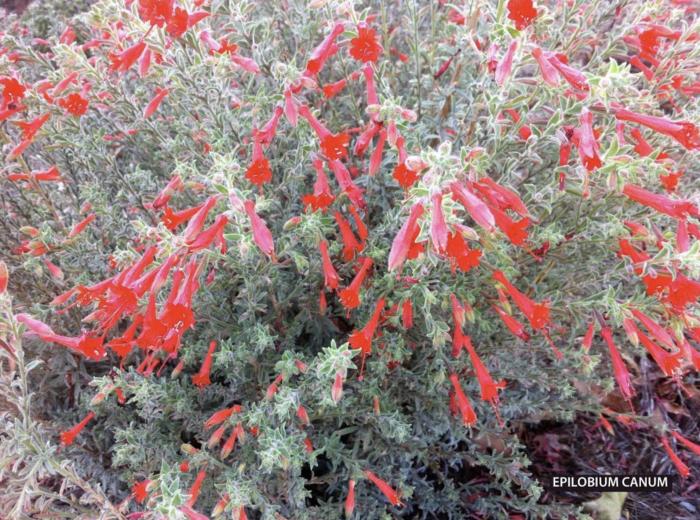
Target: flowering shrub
276,260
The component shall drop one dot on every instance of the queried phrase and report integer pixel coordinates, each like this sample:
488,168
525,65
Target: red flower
407,314
261,233
522,12
140,490
156,12
670,181
178,23
462,402
124,60
405,176
350,296
80,226
350,244
461,256
362,339
475,207
438,227
574,77
375,160
513,325
515,231
322,196
337,388
405,238
4,277
669,363
342,175
391,495
679,209
323,51
68,436
549,73
695,448
333,89
259,171
587,144
335,146
536,313
685,132
683,470
175,184
350,499
362,231
268,132
505,65
489,387
88,346
196,487
155,102
622,376
364,47
12,91
330,275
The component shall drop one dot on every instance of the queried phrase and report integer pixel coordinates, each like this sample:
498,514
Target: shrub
283,260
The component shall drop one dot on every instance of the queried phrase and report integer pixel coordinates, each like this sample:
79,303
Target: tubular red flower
505,65
4,277
391,495
695,448
407,314
351,246
475,207
350,296
620,372
679,209
686,133
68,436
683,470
588,337
123,61
155,102
350,499
489,387
330,275
80,226
261,234
438,227
322,197
536,313
375,160
259,171
362,339
337,388
362,231
549,73
196,487
460,254
513,325
587,144
140,490
201,379
574,77
405,238
324,50
462,402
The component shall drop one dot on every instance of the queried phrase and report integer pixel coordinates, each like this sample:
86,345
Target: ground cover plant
315,259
